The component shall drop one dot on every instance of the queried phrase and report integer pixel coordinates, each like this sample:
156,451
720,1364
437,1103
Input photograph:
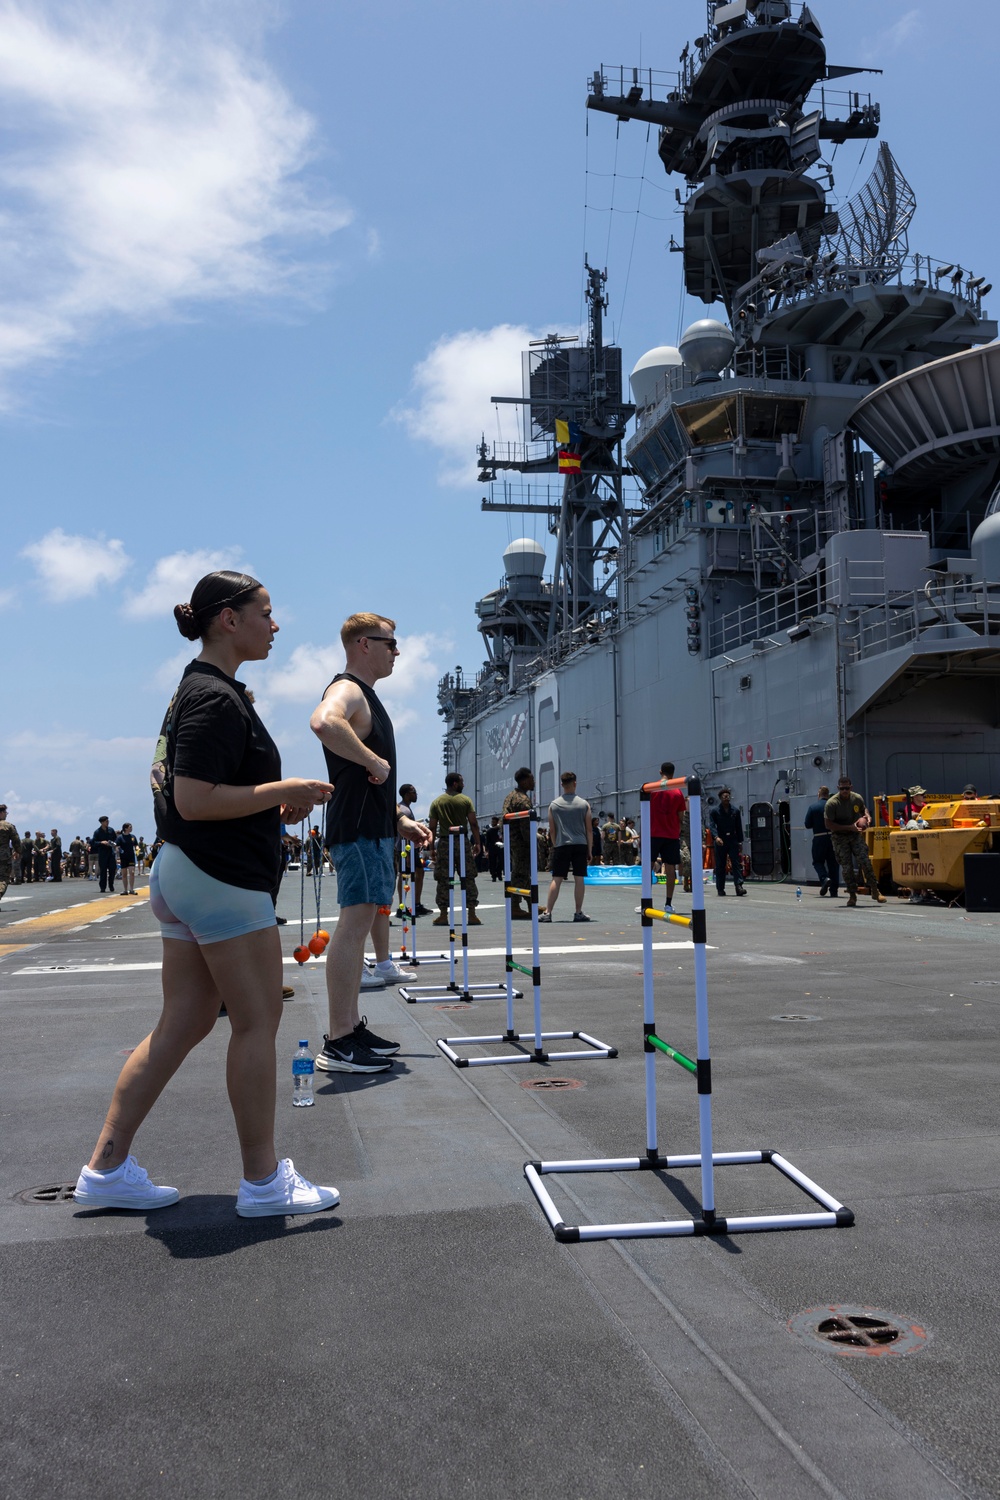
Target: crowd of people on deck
47,858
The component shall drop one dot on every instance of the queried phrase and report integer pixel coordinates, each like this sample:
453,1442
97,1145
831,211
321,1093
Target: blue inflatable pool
614,875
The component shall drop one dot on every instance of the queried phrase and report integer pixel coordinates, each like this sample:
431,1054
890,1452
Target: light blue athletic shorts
197,908
366,873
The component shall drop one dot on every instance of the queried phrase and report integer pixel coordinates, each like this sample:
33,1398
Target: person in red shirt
666,808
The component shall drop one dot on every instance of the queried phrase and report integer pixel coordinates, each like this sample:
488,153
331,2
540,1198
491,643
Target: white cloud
417,669
452,389
63,748
8,598
41,815
102,776
894,38
904,30
151,161
309,668
74,567
305,674
168,673
173,577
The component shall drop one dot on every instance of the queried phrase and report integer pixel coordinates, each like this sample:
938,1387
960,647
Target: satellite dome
706,348
985,546
649,371
524,559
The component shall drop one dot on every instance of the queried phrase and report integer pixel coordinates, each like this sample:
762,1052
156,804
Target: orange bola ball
316,945
301,954
322,933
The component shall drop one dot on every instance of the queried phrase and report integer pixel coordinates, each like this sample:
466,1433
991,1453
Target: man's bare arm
409,828
333,724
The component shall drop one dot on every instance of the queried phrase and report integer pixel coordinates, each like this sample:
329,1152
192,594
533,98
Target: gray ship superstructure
790,566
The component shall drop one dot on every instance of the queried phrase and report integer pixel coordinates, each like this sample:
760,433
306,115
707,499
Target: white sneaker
289,1193
371,981
128,1186
390,972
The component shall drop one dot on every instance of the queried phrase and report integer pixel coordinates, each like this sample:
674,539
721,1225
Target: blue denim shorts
366,874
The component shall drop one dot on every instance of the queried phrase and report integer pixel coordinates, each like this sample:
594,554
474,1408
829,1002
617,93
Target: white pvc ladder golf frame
416,994
831,1214
538,1053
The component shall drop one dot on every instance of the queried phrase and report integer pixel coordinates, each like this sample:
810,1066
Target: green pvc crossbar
678,1057
521,969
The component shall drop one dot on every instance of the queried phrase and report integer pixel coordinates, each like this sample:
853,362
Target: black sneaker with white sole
347,1054
368,1038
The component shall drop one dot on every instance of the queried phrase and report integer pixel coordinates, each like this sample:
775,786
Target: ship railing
519,453
902,620
944,528
778,609
804,275
779,362
765,14
618,81
495,681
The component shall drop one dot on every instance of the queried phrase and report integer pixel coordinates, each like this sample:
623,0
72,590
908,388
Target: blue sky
261,267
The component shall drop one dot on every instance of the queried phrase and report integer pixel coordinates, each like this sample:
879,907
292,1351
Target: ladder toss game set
408,956
415,993
830,1213
594,1048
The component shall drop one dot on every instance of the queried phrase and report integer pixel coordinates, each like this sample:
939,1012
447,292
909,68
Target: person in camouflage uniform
10,845
520,839
55,855
686,849
846,817
609,839
40,855
455,810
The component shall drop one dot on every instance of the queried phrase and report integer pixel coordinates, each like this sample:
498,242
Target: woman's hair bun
187,624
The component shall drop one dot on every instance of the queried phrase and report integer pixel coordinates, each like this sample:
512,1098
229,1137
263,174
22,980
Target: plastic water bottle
798,895
303,1068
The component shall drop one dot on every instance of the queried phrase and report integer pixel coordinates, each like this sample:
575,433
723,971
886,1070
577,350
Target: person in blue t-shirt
824,861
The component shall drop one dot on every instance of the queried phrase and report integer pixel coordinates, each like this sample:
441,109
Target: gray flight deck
430,1337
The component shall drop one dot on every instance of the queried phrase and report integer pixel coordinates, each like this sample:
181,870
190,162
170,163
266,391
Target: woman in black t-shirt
219,802
127,846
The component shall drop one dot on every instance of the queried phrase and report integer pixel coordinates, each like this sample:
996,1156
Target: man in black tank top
362,824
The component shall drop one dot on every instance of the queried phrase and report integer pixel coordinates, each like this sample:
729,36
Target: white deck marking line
132,968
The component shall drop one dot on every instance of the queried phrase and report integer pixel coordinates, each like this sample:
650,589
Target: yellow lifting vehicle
931,857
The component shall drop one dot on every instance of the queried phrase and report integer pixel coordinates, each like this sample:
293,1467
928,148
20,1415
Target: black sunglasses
390,640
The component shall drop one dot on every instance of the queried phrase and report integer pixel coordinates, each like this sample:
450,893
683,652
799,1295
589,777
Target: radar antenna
871,230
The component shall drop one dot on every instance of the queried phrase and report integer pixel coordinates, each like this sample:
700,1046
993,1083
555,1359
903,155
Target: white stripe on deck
113,968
